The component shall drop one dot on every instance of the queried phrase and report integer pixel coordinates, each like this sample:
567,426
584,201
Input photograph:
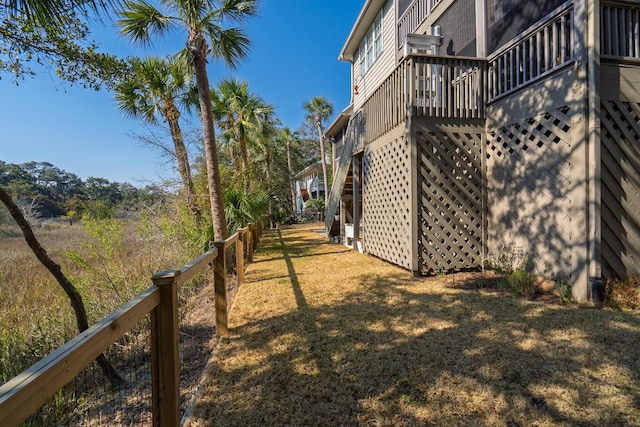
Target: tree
62,46
266,140
48,12
319,111
239,111
204,22
155,89
288,137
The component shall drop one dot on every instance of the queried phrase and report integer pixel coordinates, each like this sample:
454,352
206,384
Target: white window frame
371,46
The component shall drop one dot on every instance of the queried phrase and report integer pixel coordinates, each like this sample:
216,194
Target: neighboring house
481,126
309,185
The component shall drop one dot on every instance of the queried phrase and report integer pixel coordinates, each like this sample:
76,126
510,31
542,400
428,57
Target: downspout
594,152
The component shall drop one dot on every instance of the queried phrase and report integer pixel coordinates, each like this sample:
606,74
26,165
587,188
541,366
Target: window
371,46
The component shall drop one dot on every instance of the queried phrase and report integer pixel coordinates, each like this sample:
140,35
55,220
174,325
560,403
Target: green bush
314,205
522,283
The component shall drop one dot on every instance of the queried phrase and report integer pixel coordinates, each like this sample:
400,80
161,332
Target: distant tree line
43,190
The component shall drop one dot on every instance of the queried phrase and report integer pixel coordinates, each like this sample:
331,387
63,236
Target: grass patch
322,335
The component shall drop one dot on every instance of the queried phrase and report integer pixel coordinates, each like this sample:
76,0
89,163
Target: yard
322,335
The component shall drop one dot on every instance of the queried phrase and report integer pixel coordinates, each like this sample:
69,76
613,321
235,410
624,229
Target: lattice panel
450,200
620,205
529,188
387,202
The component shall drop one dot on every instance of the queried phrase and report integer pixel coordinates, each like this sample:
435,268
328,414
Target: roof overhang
340,122
365,19
312,168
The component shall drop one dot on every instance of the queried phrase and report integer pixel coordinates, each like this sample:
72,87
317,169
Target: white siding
383,65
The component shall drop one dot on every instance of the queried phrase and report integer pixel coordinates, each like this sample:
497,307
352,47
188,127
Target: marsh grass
325,336
109,263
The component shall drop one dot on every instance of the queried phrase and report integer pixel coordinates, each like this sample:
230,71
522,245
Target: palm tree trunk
74,296
242,144
323,161
267,171
198,49
291,183
172,115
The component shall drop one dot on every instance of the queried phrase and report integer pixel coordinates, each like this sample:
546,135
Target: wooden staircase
337,188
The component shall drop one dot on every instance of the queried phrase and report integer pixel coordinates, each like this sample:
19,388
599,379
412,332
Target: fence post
240,256
256,236
250,232
220,287
165,357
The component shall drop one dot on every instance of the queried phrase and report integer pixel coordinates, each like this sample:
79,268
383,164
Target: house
478,128
308,185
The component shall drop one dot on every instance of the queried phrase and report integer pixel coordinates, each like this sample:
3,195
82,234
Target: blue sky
295,46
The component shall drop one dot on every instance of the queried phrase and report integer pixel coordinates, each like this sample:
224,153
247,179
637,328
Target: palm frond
237,10
231,44
140,21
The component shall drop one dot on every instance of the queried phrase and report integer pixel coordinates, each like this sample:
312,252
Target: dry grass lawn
324,336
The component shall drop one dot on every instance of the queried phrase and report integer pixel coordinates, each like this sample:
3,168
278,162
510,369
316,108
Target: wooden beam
165,356
220,288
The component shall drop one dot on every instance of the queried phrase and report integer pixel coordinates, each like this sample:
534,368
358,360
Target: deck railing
428,86
620,30
23,395
412,17
447,86
536,53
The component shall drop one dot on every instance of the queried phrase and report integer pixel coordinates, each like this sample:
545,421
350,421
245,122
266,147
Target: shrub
314,205
522,283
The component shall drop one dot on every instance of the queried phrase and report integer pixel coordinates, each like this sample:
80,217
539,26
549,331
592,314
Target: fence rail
24,394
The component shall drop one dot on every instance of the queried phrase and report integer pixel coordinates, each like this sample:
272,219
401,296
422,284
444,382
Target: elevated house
308,185
482,127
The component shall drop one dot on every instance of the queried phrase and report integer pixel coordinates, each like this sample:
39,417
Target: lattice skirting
387,201
529,191
449,199
620,153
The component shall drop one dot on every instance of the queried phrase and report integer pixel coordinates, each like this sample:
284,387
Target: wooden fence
23,395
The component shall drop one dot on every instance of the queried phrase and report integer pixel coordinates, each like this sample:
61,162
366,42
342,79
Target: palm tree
240,111
319,111
266,140
153,91
204,22
51,12
288,137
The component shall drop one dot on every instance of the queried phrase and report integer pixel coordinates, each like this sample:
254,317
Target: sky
294,56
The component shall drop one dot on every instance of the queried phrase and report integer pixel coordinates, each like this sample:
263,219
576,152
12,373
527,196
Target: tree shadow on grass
403,351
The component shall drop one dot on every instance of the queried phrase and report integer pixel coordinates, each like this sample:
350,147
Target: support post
220,288
411,139
357,160
240,256
594,155
250,232
165,357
